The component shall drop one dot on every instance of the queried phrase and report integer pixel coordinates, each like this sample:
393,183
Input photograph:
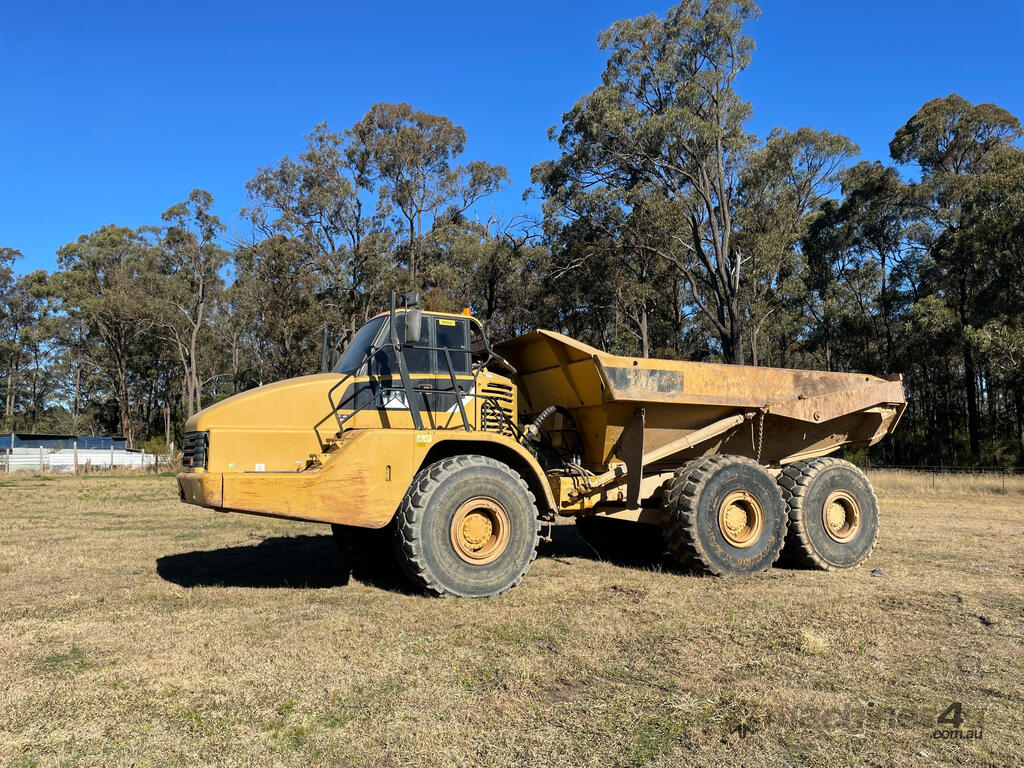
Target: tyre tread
680,504
409,519
794,481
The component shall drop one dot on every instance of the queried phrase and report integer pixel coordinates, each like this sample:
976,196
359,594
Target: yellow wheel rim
741,518
480,530
841,516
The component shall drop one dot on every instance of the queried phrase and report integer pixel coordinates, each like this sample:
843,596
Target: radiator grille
195,450
497,412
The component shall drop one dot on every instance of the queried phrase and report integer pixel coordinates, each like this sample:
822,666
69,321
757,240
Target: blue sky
113,111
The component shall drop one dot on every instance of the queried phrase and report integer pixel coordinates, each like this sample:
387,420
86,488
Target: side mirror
413,322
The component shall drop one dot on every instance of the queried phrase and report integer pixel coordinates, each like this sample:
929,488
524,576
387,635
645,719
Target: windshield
360,345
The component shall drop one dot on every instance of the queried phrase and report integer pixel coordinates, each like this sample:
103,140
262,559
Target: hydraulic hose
533,428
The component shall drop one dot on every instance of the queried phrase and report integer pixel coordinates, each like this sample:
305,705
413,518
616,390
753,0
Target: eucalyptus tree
495,267
189,260
667,117
274,305
25,349
953,144
412,156
323,201
10,307
994,221
102,282
658,159
863,267
783,186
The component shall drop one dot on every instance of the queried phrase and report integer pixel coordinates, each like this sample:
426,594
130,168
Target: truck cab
342,447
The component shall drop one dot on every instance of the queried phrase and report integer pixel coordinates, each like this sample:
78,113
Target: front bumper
311,496
204,489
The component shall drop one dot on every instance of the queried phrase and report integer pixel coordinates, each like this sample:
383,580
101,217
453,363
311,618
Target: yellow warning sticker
442,321
423,439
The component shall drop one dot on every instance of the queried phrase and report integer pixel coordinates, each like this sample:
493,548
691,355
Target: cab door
451,343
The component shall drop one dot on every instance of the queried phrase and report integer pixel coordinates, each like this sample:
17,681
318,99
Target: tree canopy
665,228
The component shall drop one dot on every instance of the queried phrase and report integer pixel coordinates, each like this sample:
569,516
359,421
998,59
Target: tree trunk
644,336
412,249
732,345
75,401
971,382
195,396
235,353
123,405
1019,407
167,422
734,328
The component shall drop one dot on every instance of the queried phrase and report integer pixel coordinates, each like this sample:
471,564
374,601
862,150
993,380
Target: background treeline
667,230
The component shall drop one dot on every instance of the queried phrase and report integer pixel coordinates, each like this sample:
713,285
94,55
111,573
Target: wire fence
995,474
81,461
944,470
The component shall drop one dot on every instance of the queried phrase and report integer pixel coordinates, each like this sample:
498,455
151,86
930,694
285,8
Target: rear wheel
833,513
468,526
724,515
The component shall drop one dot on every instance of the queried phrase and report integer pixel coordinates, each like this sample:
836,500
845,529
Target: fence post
41,459
111,455
74,446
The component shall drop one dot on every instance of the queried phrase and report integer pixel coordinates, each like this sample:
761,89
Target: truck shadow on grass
278,562
313,562
626,545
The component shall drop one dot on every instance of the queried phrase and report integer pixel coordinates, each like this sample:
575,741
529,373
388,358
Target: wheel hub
741,518
480,530
841,516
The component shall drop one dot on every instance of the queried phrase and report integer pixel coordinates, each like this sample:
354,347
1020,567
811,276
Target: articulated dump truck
458,451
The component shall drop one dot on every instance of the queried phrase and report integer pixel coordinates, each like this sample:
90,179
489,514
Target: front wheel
468,527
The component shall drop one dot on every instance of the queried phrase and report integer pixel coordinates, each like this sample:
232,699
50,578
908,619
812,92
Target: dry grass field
137,631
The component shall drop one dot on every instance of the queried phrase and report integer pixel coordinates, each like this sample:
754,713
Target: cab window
453,334
359,346
417,360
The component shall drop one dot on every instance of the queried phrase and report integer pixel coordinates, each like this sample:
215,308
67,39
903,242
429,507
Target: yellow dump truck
458,451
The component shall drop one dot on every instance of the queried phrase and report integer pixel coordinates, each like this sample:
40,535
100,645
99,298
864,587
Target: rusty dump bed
788,414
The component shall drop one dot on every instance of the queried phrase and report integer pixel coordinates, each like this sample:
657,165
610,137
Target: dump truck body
778,415
420,411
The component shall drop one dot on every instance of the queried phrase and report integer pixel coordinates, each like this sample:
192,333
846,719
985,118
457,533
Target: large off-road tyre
724,515
833,513
468,526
